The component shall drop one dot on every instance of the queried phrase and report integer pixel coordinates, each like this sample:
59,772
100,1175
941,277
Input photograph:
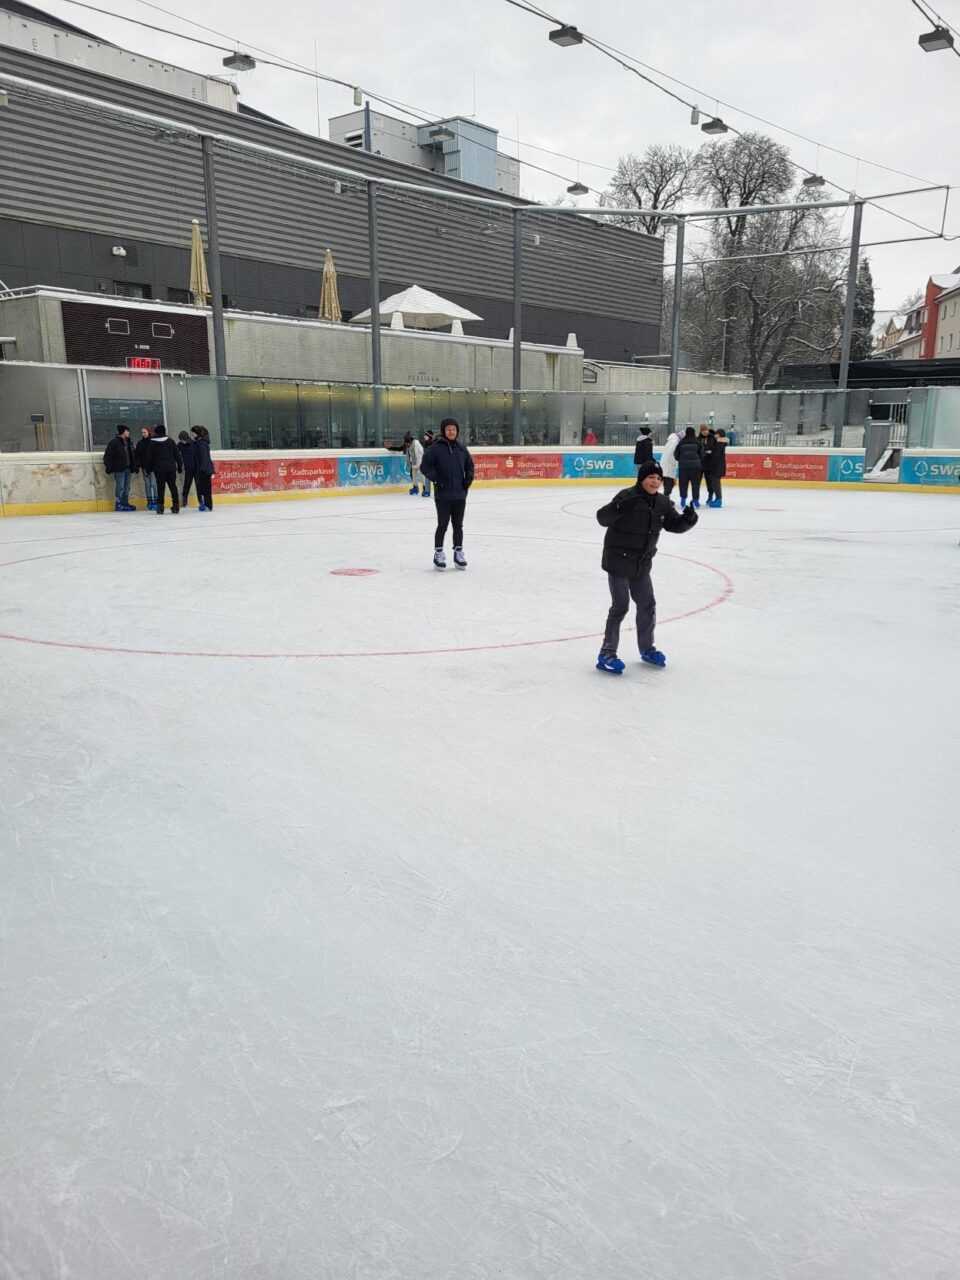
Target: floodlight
577,189
566,36
715,125
935,40
240,62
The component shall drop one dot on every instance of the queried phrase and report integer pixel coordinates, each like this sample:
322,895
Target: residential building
948,323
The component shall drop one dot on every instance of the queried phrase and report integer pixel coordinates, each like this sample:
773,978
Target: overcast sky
851,76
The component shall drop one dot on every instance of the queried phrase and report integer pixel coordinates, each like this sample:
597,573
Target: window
118,326
178,295
127,289
954,311
162,330
950,343
943,312
354,140
940,347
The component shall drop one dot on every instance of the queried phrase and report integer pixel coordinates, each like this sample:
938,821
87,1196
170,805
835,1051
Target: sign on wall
933,469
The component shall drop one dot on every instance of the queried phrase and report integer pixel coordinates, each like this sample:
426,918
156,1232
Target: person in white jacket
668,463
413,451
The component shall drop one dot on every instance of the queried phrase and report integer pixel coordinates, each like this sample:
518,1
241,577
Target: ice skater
120,461
718,469
668,462
633,521
413,451
643,451
205,468
142,455
166,465
188,452
689,455
447,463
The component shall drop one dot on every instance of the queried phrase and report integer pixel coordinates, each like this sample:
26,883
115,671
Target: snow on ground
456,959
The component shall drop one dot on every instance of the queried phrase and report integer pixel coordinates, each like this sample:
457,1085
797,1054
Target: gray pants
621,589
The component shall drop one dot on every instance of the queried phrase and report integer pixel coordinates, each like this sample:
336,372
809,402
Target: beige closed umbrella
199,284
329,298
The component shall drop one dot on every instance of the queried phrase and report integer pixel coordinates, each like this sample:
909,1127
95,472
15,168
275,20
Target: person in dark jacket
120,461
188,452
718,468
689,467
447,463
634,521
142,455
428,440
205,468
166,464
644,449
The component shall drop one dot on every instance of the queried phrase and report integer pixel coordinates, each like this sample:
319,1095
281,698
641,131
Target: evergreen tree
861,344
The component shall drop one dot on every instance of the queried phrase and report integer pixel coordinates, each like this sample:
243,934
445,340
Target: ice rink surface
455,959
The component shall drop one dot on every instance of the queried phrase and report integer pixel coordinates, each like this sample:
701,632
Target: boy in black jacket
644,448
165,463
634,520
448,464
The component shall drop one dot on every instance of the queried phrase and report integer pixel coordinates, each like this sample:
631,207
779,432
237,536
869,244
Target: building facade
100,203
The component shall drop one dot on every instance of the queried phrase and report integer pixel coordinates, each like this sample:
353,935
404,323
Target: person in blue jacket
448,465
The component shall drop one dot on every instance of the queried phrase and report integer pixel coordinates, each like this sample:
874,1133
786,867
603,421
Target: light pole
724,320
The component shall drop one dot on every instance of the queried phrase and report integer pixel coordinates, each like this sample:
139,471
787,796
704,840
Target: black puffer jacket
188,454
689,456
204,463
716,465
142,454
644,451
449,465
634,521
164,456
119,456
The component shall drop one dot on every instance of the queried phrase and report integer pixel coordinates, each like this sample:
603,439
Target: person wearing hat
644,449
428,439
120,461
166,464
448,464
634,521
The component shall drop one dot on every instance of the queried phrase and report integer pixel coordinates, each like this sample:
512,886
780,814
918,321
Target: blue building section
598,466
847,467
363,472
932,469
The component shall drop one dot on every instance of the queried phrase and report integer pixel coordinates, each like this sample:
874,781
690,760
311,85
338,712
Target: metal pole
517,326
216,285
723,349
675,327
375,361
847,337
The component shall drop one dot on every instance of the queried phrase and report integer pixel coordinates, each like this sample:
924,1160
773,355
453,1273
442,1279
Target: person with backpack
447,463
120,461
188,452
634,521
166,464
205,468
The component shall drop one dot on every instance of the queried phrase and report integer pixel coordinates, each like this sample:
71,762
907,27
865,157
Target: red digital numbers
142,362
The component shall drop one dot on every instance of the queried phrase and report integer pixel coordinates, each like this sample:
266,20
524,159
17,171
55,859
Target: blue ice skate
696,503
653,657
715,502
414,489
610,662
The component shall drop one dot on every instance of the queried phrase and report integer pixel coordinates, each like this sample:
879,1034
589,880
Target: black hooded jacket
644,451
634,521
119,455
449,465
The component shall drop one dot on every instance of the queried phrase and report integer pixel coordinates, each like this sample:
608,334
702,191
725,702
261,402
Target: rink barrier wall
68,483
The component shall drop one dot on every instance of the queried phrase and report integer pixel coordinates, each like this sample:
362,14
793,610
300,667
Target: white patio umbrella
419,309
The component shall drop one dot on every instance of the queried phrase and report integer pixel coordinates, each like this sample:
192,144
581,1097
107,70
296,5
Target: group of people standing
689,458
161,460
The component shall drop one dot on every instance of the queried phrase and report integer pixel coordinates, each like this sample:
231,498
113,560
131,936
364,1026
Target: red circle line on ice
353,573
85,647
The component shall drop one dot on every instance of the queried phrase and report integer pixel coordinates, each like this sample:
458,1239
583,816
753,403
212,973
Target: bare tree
661,178
749,169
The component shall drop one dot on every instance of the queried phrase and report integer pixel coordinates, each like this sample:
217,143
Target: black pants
204,489
448,510
690,477
640,589
168,480
668,483
717,482
188,480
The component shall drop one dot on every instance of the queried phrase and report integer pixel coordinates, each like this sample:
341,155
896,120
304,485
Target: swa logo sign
595,465
369,472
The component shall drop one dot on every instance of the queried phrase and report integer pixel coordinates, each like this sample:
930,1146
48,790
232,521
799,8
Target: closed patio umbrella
329,298
199,284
